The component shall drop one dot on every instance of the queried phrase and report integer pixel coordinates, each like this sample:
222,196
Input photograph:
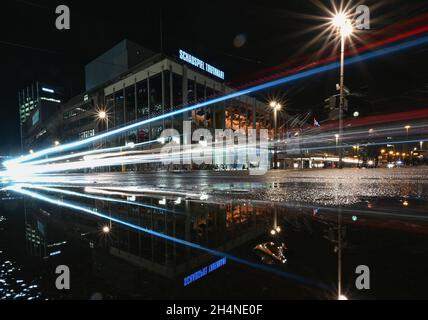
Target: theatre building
151,85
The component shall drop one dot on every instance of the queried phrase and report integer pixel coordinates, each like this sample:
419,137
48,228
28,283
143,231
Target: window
156,95
177,90
110,102
200,92
86,134
156,132
130,103
167,89
142,99
118,107
191,94
76,111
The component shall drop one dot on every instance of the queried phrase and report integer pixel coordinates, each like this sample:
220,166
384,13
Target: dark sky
33,49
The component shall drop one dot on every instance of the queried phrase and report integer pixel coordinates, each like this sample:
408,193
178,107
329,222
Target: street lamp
103,117
407,127
106,229
344,26
336,136
57,143
341,22
276,107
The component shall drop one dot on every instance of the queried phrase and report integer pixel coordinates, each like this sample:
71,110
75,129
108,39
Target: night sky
243,38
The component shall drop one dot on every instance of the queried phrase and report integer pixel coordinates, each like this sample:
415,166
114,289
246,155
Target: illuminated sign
48,90
203,272
198,63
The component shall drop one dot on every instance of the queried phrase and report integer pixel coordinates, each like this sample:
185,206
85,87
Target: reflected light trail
65,204
92,197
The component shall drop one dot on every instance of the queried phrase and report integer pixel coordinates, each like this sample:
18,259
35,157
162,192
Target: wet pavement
139,235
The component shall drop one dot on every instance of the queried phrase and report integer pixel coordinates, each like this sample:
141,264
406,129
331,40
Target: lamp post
336,136
341,22
276,107
103,117
344,27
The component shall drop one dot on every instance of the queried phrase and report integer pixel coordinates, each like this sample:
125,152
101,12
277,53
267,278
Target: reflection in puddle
138,244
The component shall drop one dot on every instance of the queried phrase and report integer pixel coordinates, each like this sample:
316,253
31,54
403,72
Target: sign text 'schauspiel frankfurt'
201,64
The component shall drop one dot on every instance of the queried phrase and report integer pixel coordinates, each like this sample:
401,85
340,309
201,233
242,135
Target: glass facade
119,112
164,91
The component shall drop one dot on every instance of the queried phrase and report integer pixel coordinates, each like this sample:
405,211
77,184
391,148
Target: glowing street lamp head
102,115
347,29
339,19
275,105
342,23
106,229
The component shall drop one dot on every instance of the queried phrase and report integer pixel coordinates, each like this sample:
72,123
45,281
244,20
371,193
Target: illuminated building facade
39,104
158,85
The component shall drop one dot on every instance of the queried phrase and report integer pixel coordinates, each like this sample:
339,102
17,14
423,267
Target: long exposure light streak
92,197
143,192
360,144
20,171
97,213
391,131
90,152
270,84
